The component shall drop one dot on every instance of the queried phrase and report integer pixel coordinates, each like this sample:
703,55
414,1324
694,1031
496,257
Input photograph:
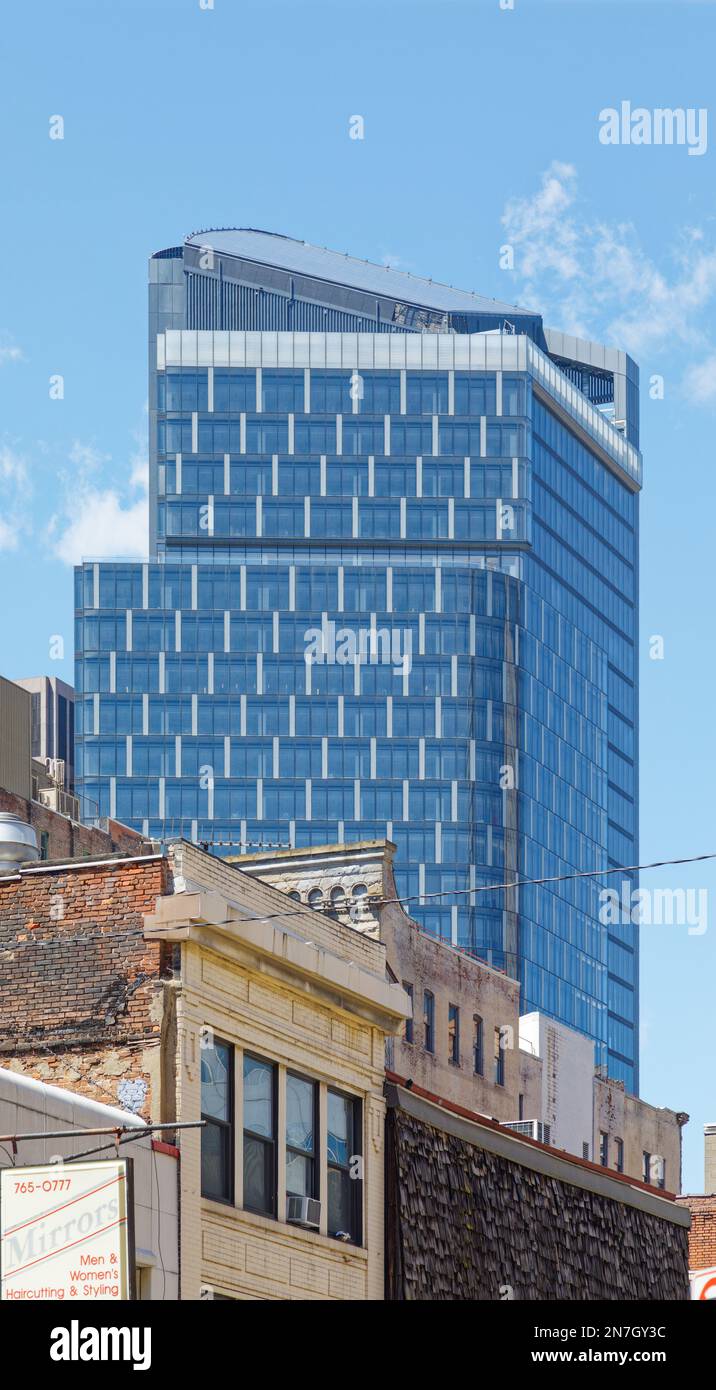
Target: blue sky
481,129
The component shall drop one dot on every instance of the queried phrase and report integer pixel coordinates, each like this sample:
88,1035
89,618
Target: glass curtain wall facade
393,592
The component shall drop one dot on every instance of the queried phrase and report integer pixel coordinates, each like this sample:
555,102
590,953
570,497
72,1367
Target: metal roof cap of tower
275,249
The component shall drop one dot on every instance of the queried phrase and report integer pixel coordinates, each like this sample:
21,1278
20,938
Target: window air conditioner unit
303,1211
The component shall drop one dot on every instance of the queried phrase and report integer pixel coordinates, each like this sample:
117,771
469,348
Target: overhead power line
158,932
552,878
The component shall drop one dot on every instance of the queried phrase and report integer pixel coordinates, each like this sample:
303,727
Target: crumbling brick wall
83,996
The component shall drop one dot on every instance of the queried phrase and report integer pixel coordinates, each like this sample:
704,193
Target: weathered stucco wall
641,1127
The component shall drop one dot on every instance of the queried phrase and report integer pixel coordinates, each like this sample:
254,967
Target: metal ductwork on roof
18,841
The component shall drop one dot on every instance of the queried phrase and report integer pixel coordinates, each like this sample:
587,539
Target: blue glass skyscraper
392,589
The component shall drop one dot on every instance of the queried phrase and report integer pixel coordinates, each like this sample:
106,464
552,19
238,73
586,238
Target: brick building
467,1043
702,1206
81,997
177,987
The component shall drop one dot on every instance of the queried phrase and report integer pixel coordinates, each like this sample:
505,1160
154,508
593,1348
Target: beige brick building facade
125,976
309,997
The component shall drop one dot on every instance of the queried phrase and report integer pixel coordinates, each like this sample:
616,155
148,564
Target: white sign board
66,1232
703,1283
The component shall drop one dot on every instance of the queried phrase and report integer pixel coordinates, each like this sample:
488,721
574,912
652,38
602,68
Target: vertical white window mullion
322,1156
280,1074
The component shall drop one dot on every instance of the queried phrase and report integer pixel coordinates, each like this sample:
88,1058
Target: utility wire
554,878
384,902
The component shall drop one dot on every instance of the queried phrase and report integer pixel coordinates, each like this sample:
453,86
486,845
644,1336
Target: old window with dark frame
301,1136
454,1035
429,1020
344,1150
260,1119
217,1111
478,1046
408,1028
499,1059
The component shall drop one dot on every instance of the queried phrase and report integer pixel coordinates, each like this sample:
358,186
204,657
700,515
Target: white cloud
16,491
594,278
103,526
100,519
10,354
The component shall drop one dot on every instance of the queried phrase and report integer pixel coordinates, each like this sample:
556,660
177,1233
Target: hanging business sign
703,1283
66,1232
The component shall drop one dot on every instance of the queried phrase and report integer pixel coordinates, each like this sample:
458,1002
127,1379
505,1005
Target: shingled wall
464,1223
